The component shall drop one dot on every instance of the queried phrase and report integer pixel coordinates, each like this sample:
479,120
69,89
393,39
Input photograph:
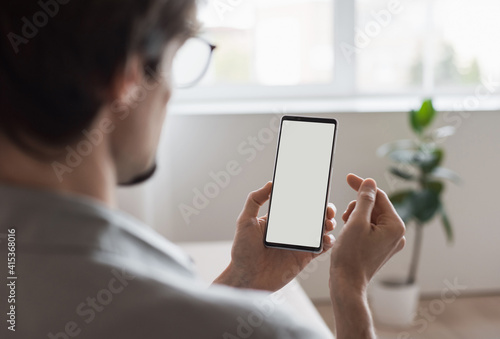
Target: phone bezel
290,246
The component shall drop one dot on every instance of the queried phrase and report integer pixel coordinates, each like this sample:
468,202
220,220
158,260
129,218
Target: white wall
195,145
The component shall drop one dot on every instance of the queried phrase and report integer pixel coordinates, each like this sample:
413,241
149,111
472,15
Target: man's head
72,71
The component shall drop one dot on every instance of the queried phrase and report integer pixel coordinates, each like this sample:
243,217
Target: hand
255,266
373,233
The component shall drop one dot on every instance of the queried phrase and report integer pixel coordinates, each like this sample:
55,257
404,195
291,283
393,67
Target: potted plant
416,162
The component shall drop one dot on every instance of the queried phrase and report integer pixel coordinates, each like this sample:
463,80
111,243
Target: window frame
342,87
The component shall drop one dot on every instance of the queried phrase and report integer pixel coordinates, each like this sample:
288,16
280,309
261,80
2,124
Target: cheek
158,93
167,94
162,91
157,110
159,102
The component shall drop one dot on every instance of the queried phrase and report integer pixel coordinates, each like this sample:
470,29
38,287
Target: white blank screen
300,183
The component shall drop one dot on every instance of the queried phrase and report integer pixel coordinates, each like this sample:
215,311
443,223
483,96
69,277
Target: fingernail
332,238
370,183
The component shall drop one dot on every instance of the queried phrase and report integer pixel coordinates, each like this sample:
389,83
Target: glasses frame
205,69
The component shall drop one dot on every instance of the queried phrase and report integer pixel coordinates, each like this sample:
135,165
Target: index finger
331,211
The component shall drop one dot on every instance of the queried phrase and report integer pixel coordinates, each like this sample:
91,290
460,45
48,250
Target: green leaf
425,205
446,224
435,186
401,174
403,203
400,196
426,113
414,122
421,205
422,118
431,160
426,160
444,173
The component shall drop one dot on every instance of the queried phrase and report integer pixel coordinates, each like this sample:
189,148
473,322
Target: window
428,44
329,48
271,42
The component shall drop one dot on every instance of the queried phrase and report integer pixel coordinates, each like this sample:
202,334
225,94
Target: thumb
366,200
255,200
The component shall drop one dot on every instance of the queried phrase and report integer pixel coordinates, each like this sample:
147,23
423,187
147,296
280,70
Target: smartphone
301,183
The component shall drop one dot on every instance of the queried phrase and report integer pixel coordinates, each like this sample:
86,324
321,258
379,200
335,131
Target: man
75,122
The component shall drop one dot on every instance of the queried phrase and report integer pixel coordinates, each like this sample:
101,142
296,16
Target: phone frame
297,247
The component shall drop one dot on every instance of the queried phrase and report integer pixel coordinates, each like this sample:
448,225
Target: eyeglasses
191,62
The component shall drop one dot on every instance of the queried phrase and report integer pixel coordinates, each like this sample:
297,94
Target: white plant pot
394,304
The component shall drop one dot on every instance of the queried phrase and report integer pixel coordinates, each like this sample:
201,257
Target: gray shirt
85,271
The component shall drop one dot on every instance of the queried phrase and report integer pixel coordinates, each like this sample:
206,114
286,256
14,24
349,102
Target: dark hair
58,58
